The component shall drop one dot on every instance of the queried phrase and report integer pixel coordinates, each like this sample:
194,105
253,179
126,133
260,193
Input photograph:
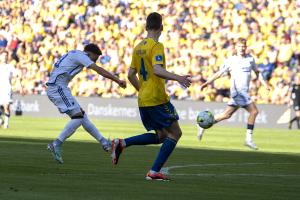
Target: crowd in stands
197,36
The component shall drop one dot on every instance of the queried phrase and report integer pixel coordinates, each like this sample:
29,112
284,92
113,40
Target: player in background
295,100
239,66
156,111
58,92
7,72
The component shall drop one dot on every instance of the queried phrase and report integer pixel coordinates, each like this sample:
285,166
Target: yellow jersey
152,88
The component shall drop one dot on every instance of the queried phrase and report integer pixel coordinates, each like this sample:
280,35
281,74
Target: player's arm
212,78
107,74
159,71
133,78
224,68
259,76
262,80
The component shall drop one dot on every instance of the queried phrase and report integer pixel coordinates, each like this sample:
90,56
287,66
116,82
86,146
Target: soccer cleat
251,145
107,146
156,176
56,152
116,150
200,133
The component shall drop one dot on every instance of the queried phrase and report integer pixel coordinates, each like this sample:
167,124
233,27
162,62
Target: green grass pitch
219,167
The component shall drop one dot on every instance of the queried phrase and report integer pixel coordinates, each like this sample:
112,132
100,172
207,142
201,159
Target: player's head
241,46
154,23
93,51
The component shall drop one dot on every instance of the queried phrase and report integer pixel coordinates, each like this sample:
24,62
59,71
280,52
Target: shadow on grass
27,171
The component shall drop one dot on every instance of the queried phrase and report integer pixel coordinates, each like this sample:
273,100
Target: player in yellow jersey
157,113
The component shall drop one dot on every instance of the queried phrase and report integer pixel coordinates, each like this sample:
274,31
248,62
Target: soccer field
219,167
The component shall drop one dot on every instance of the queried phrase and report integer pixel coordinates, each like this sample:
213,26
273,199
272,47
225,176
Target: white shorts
5,97
240,100
63,99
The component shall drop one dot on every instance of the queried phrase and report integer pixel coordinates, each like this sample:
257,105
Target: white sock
6,120
69,129
92,130
249,135
152,172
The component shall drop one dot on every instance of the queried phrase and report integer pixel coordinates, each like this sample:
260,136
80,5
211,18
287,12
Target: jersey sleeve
157,54
83,59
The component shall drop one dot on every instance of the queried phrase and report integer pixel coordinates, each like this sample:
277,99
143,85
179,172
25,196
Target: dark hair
154,21
93,48
241,41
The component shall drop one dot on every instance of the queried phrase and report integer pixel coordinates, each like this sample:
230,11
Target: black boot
291,122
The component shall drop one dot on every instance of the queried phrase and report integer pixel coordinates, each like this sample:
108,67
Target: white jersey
7,71
68,66
240,71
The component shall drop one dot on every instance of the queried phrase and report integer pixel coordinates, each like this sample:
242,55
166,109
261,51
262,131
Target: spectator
39,32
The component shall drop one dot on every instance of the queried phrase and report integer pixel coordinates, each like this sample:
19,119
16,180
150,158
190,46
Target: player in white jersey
7,72
58,92
239,66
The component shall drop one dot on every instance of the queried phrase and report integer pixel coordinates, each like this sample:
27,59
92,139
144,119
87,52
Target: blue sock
57,142
143,139
250,126
164,153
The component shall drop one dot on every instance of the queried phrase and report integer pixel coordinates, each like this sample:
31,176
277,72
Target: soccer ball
205,119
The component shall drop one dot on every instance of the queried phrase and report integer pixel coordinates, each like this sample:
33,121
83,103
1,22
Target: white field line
166,170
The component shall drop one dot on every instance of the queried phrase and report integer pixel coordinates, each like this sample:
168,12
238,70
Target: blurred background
198,36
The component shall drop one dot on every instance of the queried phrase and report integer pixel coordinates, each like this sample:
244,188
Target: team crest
158,58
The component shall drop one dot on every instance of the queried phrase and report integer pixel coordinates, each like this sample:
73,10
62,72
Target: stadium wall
126,109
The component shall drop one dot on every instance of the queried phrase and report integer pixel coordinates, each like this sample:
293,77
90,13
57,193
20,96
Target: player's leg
253,112
291,122
296,107
298,118
66,103
173,135
118,145
55,146
228,112
93,131
6,108
1,111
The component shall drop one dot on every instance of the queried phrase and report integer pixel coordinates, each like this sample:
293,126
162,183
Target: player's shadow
27,170
27,150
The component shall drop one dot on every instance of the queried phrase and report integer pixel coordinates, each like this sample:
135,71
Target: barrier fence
126,109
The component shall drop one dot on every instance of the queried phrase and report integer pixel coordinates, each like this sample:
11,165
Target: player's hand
185,80
122,83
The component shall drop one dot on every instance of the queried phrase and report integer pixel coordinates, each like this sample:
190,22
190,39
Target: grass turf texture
219,167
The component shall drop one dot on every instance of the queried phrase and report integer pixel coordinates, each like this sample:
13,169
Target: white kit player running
7,72
58,92
239,66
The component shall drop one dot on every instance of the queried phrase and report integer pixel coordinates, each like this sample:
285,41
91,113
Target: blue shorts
158,117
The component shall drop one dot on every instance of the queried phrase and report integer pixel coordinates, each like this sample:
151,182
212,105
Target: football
205,119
